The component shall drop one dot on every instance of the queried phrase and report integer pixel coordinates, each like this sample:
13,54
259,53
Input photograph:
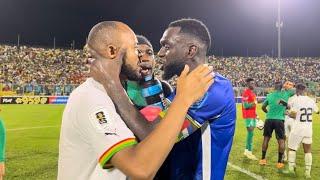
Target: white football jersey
91,133
304,106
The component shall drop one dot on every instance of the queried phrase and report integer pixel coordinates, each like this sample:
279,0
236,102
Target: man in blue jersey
204,154
207,134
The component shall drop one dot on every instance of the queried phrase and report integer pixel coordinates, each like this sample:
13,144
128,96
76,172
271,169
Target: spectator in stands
29,67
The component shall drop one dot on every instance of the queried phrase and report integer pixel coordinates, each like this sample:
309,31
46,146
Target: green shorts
250,122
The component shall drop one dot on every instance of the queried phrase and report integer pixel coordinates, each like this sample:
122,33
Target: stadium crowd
58,71
39,70
266,70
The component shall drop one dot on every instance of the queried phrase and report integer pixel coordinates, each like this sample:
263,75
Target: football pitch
33,136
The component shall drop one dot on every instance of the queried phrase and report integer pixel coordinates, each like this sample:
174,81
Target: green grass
269,171
33,153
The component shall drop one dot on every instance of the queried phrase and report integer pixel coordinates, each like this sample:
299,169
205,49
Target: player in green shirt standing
2,148
275,121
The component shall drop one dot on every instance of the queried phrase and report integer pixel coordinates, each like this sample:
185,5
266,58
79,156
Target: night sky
235,25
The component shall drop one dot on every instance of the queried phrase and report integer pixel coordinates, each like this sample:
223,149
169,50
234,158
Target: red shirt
248,96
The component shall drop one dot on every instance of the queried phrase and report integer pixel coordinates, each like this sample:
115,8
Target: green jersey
2,141
275,110
288,94
134,92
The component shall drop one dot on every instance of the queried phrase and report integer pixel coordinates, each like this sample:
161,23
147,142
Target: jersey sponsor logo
107,134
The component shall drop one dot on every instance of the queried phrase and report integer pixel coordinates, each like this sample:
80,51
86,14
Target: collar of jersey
96,84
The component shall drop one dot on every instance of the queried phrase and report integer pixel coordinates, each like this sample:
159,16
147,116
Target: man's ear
192,51
112,51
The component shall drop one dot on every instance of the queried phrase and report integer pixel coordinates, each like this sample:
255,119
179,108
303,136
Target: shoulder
221,90
245,92
307,98
221,82
269,96
88,96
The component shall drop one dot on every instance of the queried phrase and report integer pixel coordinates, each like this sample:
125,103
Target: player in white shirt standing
288,125
301,108
95,143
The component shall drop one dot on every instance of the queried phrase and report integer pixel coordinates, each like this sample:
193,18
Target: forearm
264,109
150,153
129,114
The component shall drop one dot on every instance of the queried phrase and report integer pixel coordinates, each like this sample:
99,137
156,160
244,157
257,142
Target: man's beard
173,68
130,73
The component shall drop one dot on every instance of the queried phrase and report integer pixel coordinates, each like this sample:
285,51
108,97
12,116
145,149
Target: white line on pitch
38,127
251,174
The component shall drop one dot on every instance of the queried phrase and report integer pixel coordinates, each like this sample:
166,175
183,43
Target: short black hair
301,86
143,40
249,80
195,28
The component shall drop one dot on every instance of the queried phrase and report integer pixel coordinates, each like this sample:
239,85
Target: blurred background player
275,121
149,90
249,105
301,108
2,148
288,122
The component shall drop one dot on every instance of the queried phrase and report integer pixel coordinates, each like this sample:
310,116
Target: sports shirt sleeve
107,132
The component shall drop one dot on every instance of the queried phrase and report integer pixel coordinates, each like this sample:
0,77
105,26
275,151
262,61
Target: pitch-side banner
33,99
60,99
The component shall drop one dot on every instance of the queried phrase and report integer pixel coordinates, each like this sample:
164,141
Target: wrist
183,102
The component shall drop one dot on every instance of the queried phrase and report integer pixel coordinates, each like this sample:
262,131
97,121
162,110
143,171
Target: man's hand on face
107,71
192,86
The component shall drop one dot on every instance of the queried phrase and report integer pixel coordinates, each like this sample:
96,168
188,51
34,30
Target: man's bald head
109,38
108,33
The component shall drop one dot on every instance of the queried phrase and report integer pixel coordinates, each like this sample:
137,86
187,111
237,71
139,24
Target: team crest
103,122
101,117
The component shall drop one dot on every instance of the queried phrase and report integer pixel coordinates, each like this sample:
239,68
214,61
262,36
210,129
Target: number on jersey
306,115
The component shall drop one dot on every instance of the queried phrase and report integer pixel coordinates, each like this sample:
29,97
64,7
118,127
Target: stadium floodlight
279,25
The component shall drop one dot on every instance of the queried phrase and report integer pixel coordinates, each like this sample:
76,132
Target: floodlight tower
279,25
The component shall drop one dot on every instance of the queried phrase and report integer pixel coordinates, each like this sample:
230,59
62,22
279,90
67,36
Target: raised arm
264,106
143,160
129,114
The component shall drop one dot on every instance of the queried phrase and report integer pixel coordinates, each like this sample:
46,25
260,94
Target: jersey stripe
206,151
114,149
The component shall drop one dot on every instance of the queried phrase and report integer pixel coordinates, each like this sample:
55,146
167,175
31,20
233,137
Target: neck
195,62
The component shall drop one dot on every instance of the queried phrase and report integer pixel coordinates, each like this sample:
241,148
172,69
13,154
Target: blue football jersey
204,152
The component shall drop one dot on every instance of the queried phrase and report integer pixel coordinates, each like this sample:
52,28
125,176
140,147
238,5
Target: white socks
292,160
308,162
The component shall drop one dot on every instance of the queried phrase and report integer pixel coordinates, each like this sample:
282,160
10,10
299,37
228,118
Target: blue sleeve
218,101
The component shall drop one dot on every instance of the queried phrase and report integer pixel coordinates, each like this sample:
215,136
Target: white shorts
295,140
288,125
